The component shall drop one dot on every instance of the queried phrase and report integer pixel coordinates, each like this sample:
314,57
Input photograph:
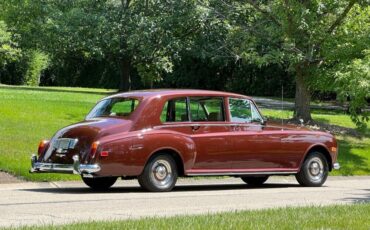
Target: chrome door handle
235,127
195,127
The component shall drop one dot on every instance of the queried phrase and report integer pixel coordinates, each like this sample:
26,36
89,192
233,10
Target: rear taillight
94,148
42,146
104,153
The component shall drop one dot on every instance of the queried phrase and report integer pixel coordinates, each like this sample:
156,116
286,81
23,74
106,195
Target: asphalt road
65,202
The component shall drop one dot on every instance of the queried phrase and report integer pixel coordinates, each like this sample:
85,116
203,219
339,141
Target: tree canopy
242,46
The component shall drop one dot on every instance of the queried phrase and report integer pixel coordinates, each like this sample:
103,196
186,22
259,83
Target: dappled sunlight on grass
354,156
331,117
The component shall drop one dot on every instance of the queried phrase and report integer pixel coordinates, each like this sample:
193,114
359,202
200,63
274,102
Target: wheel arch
174,153
318,148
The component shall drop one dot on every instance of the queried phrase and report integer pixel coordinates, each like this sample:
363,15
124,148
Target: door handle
195,127
235,127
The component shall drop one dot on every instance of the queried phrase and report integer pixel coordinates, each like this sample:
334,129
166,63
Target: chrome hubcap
161,173
316,168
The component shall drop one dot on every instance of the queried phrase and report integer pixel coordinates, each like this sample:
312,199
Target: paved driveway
65,202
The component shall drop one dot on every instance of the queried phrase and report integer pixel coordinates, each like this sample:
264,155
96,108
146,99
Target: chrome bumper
75,168
336,166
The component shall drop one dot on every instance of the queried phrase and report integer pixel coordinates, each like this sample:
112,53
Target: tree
140,35
294,34
346,69
24,38
8,48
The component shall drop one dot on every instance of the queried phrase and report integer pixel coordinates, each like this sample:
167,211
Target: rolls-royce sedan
157,136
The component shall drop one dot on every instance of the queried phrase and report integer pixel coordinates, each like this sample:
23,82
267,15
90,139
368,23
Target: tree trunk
125,60
302,97
125,66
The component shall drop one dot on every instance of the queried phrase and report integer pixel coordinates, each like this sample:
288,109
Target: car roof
176,92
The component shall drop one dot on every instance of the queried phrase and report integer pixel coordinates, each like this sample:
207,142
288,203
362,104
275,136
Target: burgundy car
158,135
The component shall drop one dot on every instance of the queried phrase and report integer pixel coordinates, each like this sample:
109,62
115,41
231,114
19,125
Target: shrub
38,61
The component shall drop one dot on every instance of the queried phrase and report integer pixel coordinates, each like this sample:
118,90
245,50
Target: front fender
320,147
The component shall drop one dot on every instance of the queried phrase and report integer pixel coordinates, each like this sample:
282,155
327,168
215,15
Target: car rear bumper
75,168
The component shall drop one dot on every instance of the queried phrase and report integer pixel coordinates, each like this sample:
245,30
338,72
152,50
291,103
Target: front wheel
255,181
314,170
159,175
99,183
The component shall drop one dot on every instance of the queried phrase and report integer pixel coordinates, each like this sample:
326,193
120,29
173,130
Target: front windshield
116,107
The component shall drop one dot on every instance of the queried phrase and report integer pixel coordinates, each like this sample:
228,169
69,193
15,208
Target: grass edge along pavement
349,216
29,114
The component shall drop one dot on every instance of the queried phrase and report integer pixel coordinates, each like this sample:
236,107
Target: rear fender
160,142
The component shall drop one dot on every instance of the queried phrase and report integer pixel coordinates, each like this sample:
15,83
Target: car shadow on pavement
178,188
359,198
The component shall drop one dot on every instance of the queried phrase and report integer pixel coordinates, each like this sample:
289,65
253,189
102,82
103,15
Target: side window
174,111
206,109
242,110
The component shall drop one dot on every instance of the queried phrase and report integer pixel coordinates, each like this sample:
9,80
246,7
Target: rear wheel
314,170
99,183
159,175
255,181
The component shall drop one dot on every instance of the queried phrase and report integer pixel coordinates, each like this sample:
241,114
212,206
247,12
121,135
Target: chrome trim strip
191,124
220,123
75,168
336,166
240,173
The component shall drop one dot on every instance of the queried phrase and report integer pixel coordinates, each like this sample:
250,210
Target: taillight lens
94,148
42,146
104,153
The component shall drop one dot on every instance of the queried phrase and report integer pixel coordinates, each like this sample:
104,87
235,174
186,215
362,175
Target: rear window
114,107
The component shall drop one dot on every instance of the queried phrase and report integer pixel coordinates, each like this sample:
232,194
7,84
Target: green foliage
153,72
38,61
347,64
309,39
353,81
8,50
144,32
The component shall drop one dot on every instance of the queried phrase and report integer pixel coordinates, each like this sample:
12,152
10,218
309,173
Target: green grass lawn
354,216
330,117
29,114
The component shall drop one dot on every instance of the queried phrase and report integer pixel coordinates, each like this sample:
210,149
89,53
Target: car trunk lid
77,139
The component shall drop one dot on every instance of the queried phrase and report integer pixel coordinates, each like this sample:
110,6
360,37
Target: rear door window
206,109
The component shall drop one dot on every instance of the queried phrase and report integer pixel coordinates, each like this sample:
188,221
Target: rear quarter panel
129,153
